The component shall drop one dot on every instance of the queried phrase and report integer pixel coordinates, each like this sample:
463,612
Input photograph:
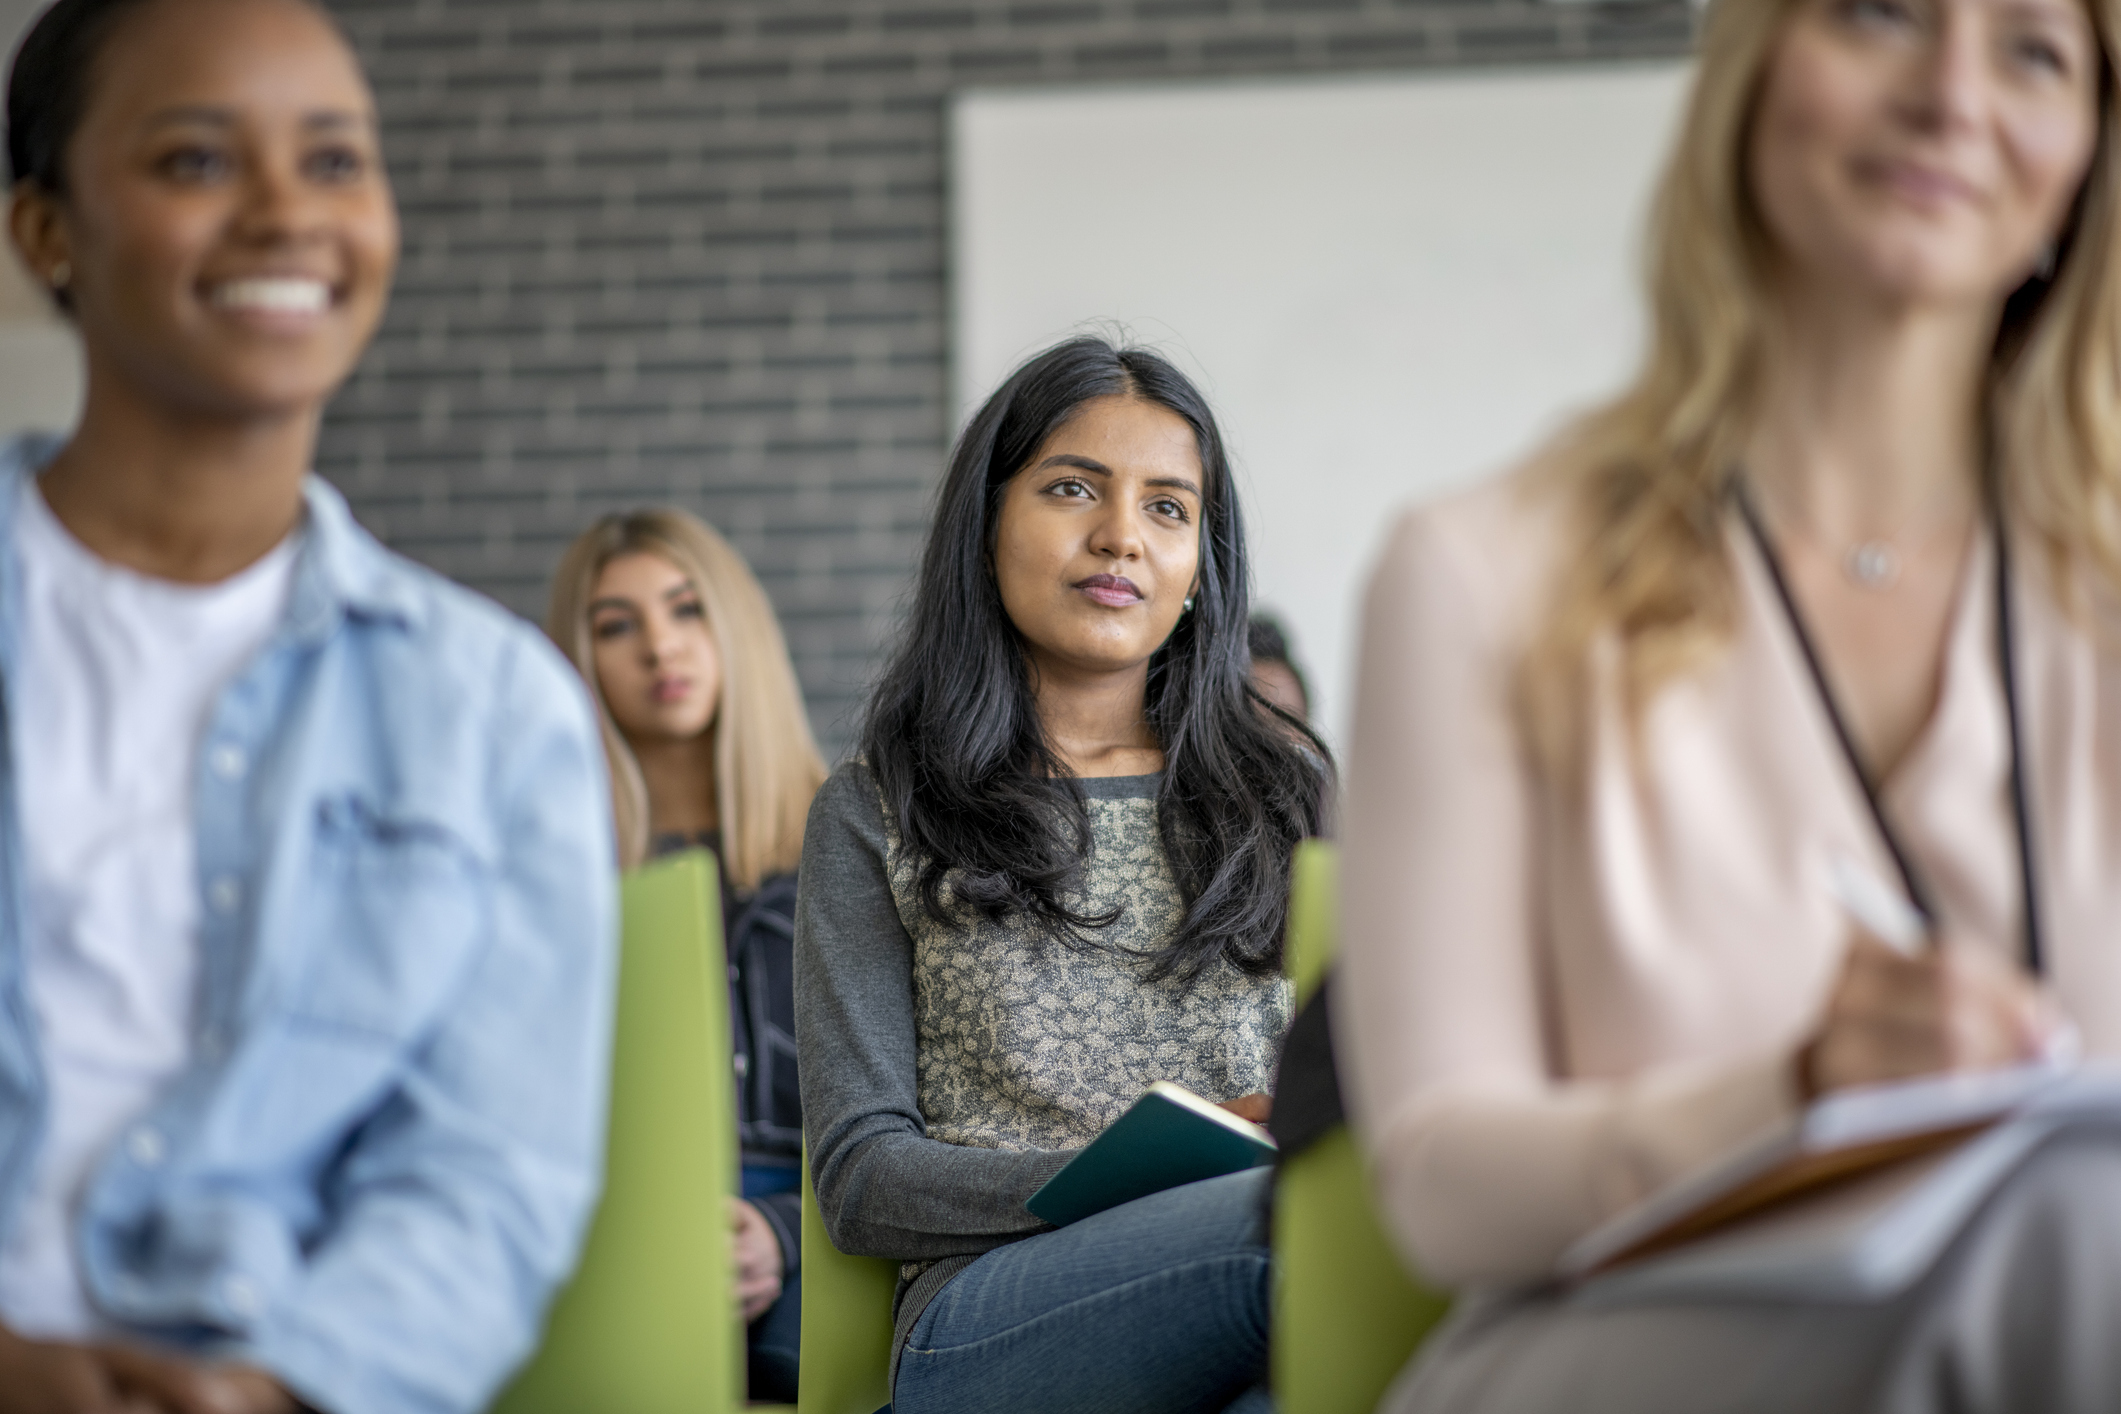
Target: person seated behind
1057,874
709,747
306,954
1275,675
1830,592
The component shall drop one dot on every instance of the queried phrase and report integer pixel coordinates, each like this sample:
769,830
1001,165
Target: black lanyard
1918,891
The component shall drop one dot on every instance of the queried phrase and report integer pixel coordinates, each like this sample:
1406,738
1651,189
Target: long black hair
978,794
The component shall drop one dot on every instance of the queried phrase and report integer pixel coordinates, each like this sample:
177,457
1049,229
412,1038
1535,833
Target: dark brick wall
693,251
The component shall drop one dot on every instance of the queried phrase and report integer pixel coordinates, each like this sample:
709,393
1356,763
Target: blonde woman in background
1836,586
709,746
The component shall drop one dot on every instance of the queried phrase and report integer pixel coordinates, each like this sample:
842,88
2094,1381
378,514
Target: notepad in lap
1167,1137
1866,1239
1833,1145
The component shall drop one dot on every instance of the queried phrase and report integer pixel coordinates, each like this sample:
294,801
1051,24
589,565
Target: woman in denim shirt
305,854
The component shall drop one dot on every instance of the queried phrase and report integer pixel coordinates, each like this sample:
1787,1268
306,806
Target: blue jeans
1157,1306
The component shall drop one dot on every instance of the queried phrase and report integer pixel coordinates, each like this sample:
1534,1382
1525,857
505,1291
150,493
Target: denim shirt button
240,1295
224,893
146,1147
227,761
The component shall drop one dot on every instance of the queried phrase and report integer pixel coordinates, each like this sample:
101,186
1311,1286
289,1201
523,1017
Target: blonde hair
1646,477
766,765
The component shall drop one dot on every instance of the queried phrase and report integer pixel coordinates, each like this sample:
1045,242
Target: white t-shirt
116,677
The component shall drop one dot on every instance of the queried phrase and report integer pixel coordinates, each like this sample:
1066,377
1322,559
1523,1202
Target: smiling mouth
1919,182
1113,591
272,295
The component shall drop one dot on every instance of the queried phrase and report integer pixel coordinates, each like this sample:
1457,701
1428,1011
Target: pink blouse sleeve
1487,1162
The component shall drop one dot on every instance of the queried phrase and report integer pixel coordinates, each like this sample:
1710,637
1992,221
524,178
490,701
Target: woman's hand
43,1377
758,1259
37,1377
181,1386
1894,1017
1254,1107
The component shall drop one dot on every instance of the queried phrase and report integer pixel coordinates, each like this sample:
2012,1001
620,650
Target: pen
1886,914
1881,909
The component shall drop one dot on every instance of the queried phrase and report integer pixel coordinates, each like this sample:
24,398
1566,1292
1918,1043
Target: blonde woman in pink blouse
1837,582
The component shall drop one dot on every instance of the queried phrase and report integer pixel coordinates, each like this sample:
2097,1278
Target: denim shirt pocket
401,913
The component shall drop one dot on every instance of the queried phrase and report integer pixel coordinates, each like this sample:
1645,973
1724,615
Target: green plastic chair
649,1324
846,1322
1347,1316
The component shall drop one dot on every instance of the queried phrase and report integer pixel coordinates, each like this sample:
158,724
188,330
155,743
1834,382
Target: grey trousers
2022,1315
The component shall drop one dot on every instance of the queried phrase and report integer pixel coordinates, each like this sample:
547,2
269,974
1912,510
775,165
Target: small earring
62,275
1189,605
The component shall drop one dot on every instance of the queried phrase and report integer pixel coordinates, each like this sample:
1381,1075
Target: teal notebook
1167,1137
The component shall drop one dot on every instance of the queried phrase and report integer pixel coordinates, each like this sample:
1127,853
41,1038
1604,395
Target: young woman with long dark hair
1057,873
306,893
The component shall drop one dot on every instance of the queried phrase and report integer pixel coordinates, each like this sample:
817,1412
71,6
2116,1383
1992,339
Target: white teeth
274,296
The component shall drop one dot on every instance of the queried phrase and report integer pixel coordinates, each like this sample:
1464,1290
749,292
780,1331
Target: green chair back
846,1322
649,1324
1347,1316
1314,916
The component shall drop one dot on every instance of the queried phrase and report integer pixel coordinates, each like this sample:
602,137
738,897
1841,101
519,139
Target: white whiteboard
1386,286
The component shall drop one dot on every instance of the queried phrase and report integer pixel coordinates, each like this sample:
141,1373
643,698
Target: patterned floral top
1027,1043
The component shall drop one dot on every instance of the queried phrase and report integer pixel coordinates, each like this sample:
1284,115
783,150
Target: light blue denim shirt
381,1159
